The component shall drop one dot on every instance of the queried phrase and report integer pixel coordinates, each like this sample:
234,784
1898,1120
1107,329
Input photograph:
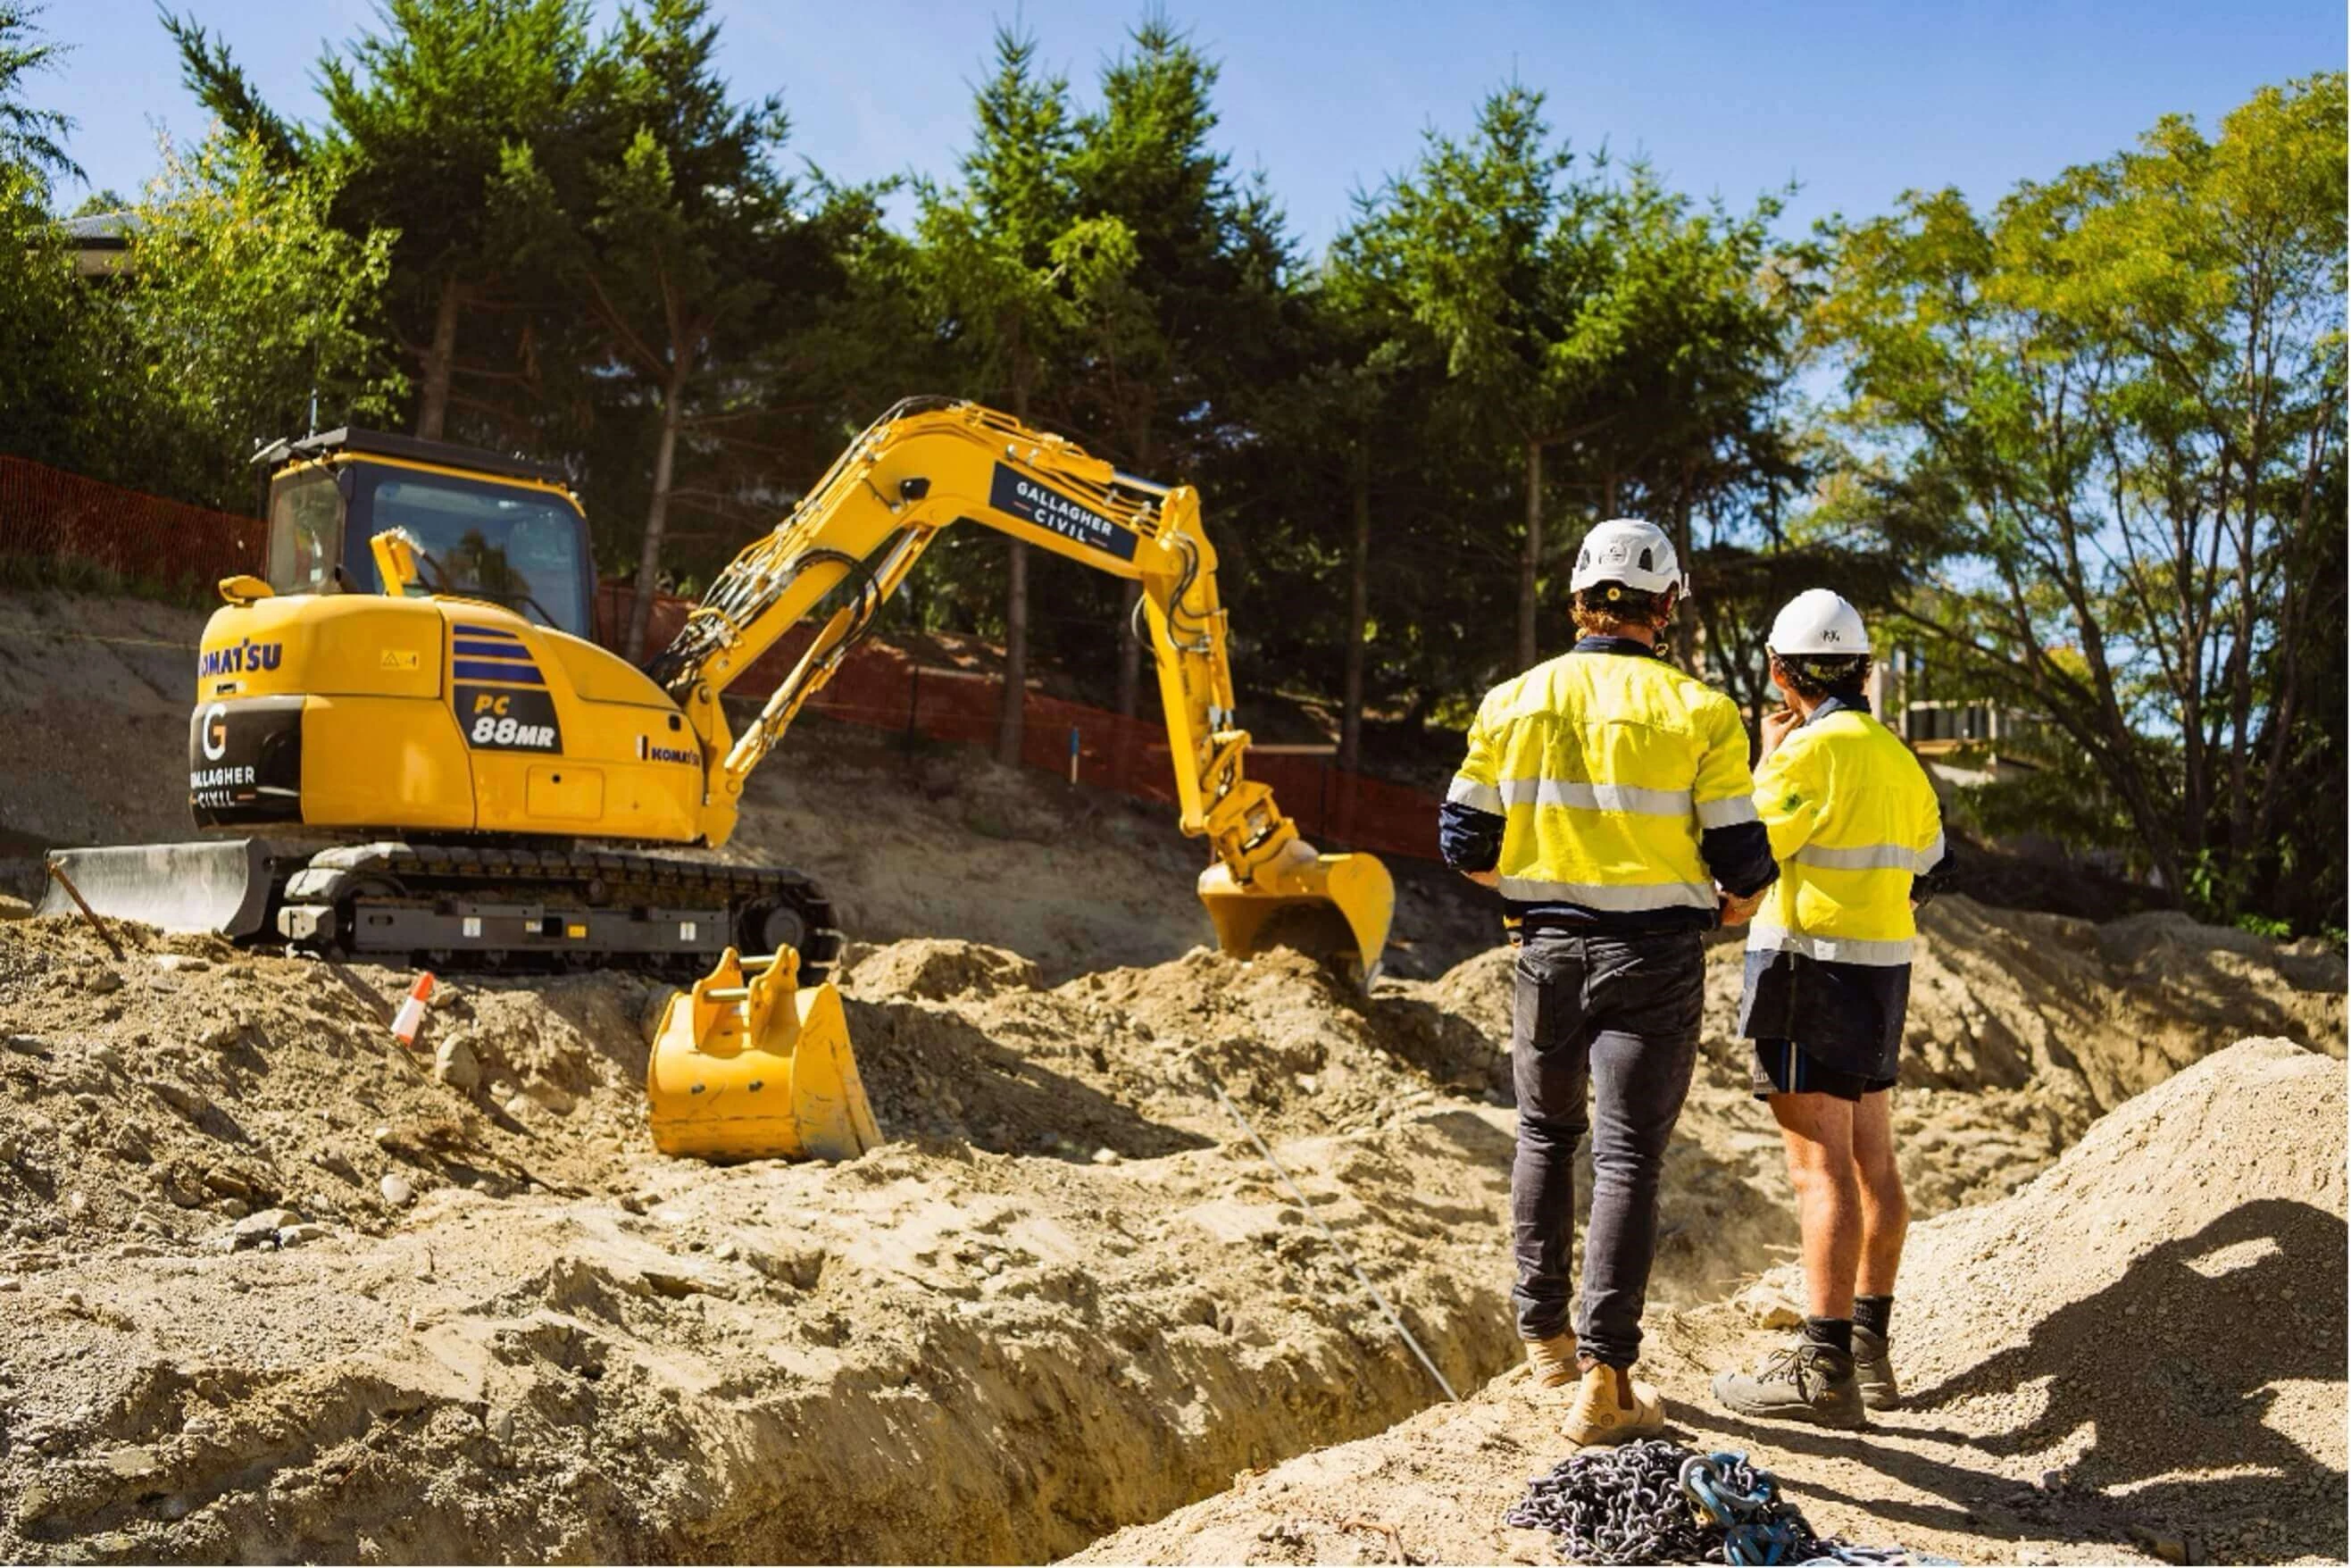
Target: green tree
49,382
1480,242
1701,309
1176,352
2118,400
30,137
246,309
668,235
1014,271
419,116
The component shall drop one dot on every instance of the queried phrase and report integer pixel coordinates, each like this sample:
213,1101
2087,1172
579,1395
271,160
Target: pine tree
668,234
1012,267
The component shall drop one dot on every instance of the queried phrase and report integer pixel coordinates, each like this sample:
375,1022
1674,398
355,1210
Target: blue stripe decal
513,674
493,649
465,631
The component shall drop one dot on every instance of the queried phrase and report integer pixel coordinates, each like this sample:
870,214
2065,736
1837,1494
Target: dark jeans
1621,1014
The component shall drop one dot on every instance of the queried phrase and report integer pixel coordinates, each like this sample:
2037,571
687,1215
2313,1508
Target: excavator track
520,907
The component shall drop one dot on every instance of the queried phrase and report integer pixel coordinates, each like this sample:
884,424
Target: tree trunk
1011,716
440,361
1684,623
1130,651
1358,593
1533,558
656,516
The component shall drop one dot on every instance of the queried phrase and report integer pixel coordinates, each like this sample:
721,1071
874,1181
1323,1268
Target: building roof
102,231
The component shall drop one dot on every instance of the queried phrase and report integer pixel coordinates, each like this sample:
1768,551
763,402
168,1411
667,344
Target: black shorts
1783,1067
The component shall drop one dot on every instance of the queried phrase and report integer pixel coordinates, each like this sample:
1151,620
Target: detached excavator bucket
751,1065
1335,907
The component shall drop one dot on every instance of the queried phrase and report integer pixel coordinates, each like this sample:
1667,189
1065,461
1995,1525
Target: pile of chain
1656,1502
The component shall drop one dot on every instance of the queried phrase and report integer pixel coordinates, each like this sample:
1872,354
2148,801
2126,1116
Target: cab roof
351,440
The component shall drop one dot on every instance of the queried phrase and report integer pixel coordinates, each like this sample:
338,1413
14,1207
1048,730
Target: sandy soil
2142,1348
1065,1282
471,1314
1065,1296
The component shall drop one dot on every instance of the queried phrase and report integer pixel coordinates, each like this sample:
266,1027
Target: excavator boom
930,463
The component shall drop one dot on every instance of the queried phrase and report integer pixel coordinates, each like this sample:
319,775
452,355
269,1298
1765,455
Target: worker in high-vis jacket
1859,838
1606,798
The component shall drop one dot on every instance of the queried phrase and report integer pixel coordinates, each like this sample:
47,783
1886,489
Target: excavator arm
929,463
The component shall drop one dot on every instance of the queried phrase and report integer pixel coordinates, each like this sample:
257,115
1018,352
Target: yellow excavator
455,775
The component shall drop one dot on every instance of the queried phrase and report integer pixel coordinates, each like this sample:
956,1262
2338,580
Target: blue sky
1857,101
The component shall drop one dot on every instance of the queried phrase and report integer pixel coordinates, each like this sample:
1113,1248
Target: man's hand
1737,910
1485,878
1778,726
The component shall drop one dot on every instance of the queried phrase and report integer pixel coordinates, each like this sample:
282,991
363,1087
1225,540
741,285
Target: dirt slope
933,842
2023,1029
2148,1337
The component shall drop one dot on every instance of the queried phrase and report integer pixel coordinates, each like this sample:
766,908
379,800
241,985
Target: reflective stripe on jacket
1608,788
1855,824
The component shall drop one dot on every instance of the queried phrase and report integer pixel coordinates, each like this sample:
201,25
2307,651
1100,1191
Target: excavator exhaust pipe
1335,907
751,1065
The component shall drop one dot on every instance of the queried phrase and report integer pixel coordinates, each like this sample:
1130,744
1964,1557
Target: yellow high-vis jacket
1858,834
1609,790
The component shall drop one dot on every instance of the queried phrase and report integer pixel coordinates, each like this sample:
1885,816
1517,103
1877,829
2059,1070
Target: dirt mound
2022,1029
2142,1348
191,1083
929,971
281,1287
2161,1317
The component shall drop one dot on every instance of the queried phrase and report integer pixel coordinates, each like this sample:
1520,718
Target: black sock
1830,1333
1873,1313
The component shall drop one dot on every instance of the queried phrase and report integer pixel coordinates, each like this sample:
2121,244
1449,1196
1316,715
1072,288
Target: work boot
1801,1382
1610,1407
1873,1368
1551,1362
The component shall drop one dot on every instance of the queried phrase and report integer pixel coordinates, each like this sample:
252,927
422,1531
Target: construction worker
1858,836
1606,796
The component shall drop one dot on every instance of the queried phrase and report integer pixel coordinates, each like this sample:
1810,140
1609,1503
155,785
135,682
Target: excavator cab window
306,512
523,548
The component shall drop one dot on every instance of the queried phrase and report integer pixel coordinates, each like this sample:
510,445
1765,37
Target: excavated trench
1066,1297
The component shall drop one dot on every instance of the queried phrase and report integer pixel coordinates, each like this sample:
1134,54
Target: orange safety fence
883,687
50,515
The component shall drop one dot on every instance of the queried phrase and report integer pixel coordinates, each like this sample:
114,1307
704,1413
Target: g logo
216,732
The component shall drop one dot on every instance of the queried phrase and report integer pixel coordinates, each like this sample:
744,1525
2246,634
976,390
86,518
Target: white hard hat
1818,621
1630,552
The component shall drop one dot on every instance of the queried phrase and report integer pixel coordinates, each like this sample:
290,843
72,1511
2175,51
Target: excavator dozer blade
751,1065
1334,907
221,885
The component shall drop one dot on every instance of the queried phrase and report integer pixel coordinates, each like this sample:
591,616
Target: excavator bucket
1334,907
751,1065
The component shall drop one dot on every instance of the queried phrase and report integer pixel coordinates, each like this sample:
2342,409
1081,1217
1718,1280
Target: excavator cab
484,527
